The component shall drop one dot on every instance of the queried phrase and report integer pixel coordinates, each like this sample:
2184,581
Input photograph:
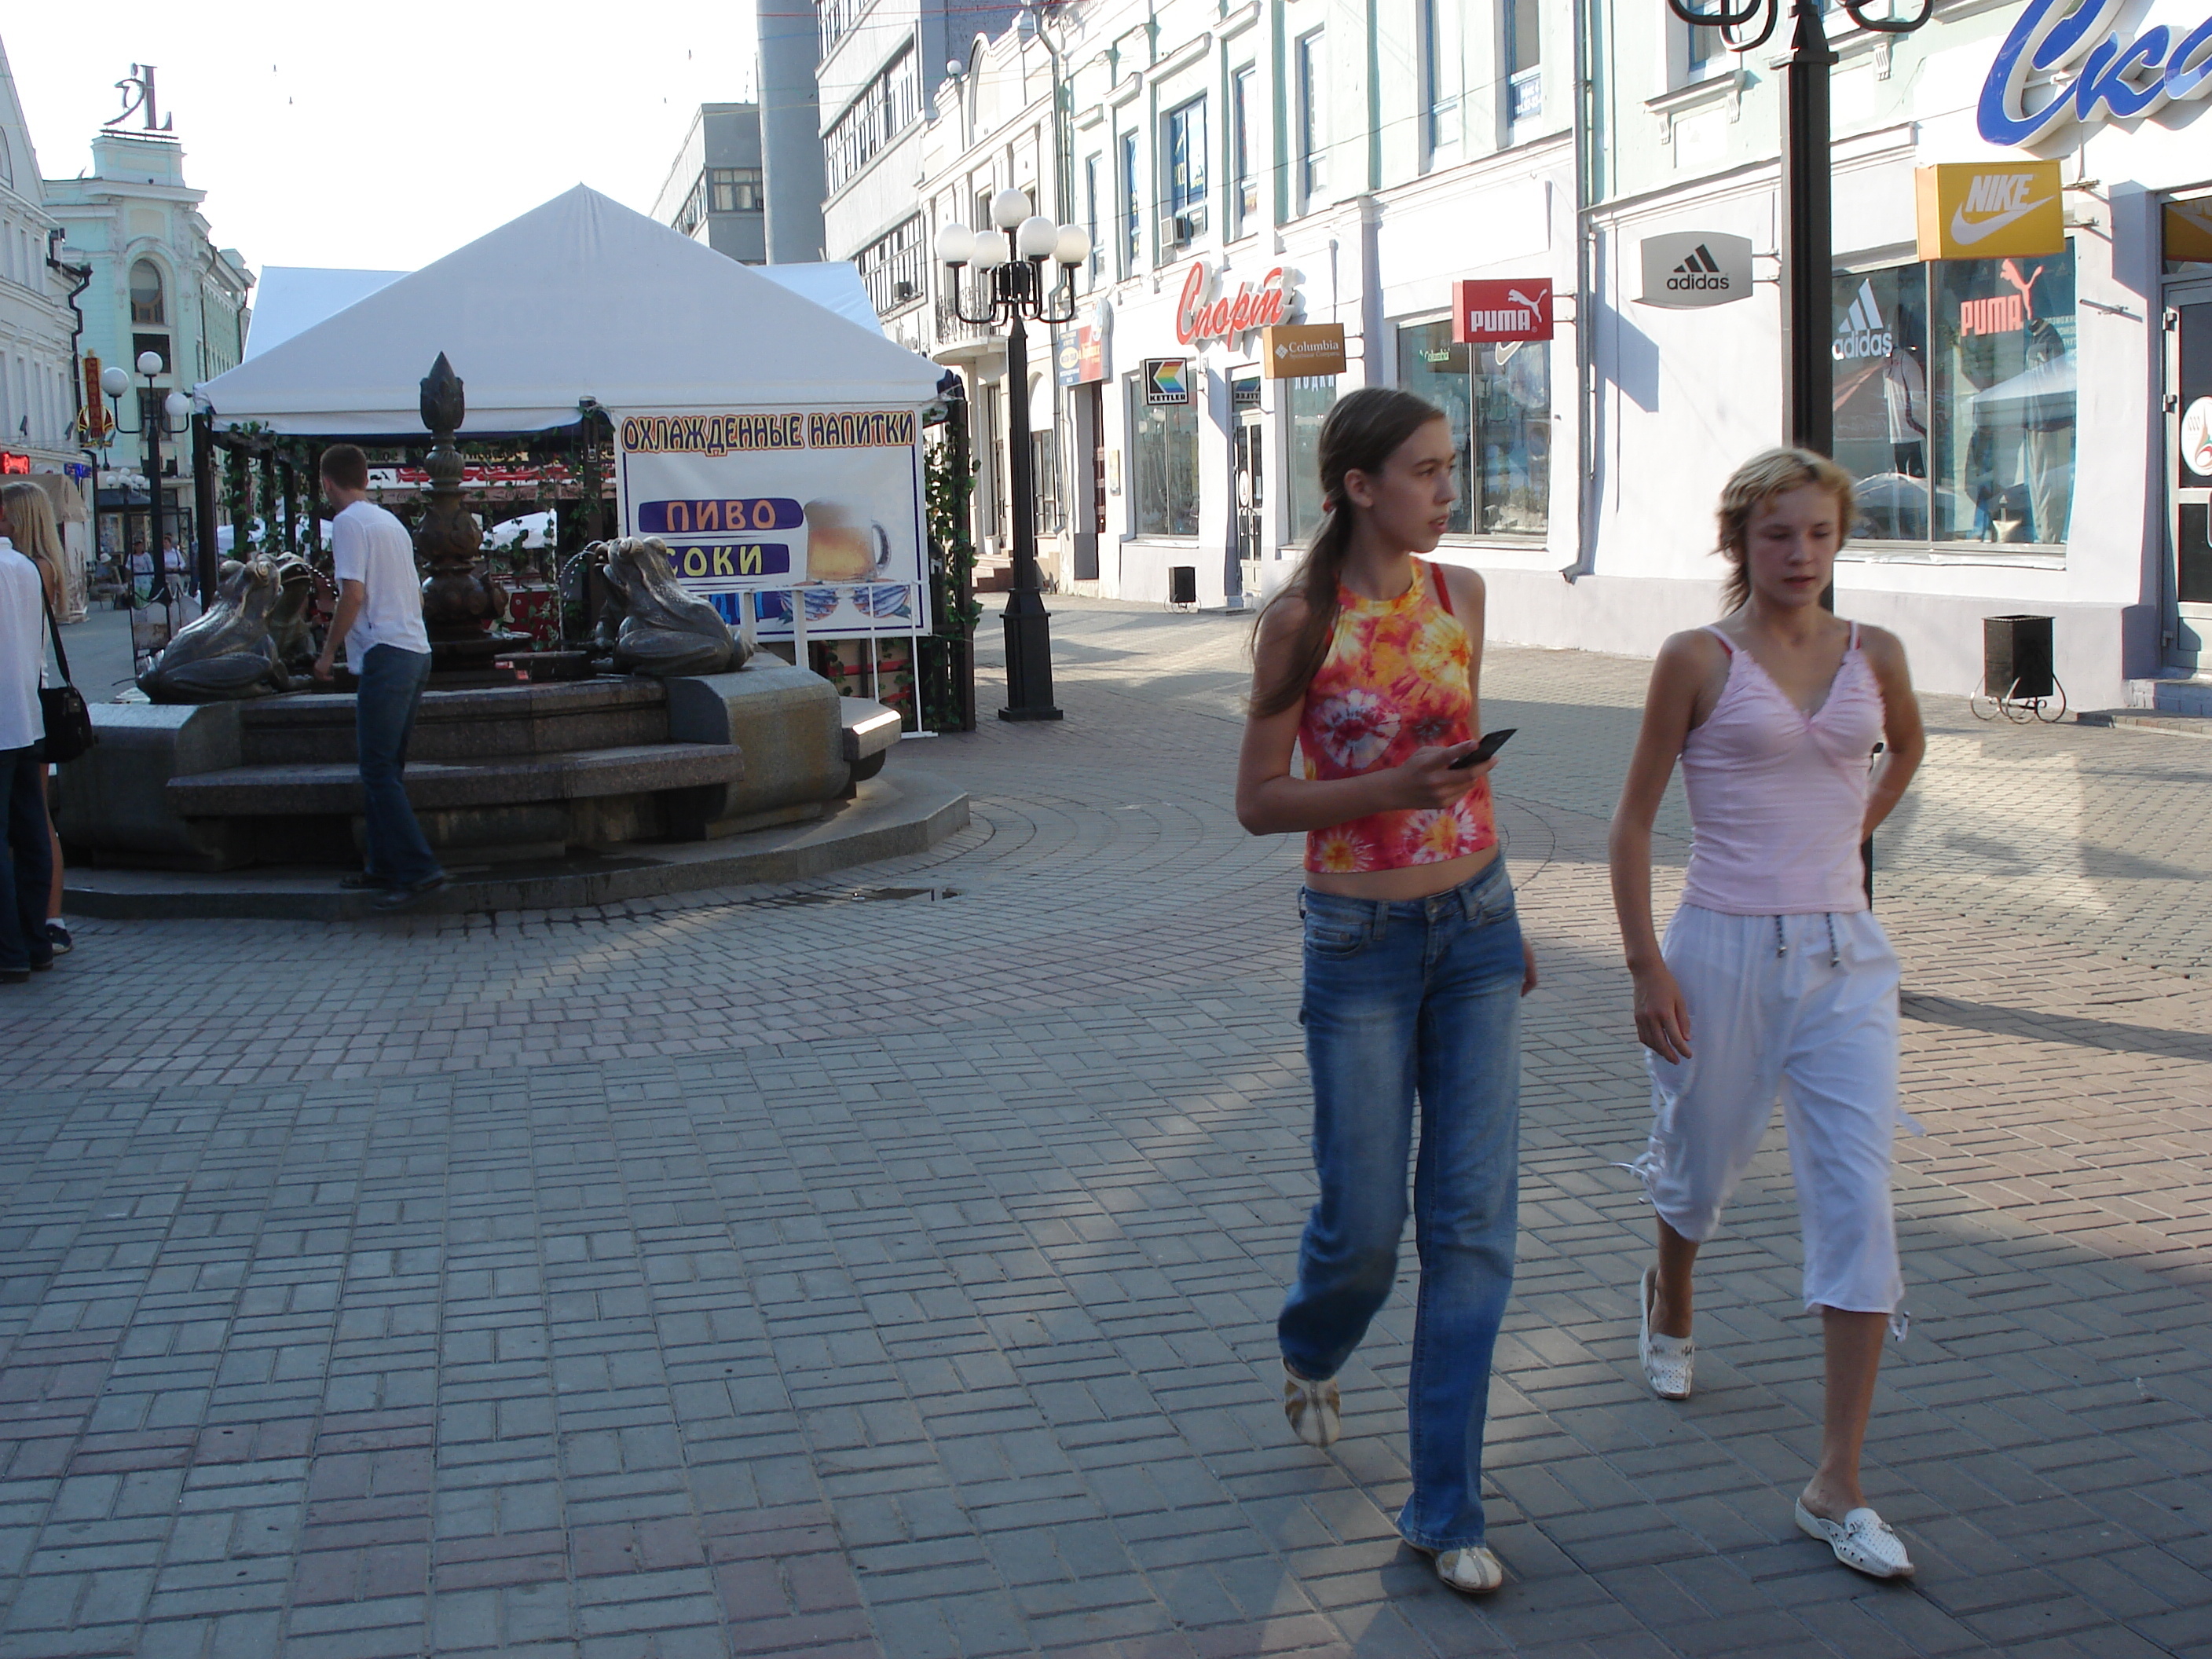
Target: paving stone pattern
886,1265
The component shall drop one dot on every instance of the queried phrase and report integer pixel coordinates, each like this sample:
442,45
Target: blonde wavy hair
1759,481
36,535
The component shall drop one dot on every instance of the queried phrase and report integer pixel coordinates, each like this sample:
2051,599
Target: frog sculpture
663,628
225,653
289,628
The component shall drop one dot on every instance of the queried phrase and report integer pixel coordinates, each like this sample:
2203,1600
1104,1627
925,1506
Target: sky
383,136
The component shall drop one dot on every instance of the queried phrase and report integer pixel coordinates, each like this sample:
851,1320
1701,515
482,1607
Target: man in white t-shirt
379,623
27,869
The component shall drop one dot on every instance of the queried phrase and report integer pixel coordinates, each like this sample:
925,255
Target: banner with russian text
819,510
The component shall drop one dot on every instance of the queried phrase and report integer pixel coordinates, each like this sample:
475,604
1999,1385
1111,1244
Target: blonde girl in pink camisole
1775,979
1369,664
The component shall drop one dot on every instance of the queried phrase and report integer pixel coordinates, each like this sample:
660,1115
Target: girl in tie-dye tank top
1367,668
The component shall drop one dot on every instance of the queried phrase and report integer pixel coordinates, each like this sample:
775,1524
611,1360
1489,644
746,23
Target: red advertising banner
1490,311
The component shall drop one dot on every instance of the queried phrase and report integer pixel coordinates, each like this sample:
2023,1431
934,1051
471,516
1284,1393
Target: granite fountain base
534,795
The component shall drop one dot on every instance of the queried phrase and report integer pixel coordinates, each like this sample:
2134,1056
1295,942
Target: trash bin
2016,658
1182,584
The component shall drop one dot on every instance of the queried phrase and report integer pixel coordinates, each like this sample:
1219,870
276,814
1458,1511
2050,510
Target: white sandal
1472,1571
1315,1409
1863,1541
1668,1361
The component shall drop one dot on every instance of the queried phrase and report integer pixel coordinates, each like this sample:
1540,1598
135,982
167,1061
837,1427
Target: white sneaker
1668,1360
1315,1409
1863,1541
1473,1572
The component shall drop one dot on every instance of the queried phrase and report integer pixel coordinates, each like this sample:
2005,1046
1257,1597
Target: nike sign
1967,232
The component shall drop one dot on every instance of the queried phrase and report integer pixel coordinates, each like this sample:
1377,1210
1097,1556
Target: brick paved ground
886,1267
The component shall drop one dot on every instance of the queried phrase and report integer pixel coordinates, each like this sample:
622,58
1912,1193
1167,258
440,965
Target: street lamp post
1011,288
175,408
1809,365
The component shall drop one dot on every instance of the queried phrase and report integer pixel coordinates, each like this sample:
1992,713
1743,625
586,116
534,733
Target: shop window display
1163,465
1955,400
1311,398
1498,401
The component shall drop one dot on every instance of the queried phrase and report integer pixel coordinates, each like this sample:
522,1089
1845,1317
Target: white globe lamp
1037,237
149,362
1008,208
956,245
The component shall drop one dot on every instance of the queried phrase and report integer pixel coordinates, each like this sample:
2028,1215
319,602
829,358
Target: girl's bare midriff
1413,881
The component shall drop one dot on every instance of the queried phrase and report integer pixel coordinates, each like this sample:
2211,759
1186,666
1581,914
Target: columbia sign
1494,311
1688,268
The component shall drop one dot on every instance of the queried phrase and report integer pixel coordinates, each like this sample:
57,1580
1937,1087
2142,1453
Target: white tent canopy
580,298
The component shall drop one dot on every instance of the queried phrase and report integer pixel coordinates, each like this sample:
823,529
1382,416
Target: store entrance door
2189,479
1247,493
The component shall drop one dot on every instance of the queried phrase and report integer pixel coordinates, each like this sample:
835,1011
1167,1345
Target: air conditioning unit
1180,229
902,291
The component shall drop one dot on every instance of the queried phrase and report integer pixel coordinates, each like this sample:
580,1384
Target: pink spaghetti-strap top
1778,796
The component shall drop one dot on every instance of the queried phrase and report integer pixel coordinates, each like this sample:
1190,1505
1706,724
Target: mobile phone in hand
1491,743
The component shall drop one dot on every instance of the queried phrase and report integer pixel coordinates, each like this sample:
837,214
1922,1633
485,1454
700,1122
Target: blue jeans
1418,1000
392,682
27,862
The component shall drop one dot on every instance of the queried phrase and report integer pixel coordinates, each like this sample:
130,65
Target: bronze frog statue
290,631
225,653
665,629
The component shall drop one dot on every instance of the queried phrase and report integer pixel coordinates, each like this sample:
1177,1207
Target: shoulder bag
68,722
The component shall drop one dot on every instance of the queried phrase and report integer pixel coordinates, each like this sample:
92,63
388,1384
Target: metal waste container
2016,658
1182,584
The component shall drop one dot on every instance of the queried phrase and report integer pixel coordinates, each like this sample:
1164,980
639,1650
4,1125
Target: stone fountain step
306,789
478,724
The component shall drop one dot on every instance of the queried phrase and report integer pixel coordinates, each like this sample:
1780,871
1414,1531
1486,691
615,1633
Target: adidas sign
1687,269
1862,334
1699,271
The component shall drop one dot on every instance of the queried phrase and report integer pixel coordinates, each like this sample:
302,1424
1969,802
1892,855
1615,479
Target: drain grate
854,896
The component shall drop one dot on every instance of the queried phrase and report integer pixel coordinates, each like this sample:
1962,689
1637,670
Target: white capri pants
1804,1006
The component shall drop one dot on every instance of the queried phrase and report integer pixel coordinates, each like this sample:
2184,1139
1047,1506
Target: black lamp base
1028,659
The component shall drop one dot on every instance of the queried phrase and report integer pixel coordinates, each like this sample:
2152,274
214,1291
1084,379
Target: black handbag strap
54,632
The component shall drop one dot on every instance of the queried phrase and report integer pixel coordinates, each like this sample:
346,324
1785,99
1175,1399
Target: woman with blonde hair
1369,662
37,535
1773,966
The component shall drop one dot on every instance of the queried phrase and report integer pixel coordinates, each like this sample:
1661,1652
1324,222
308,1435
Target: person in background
1775,978
1369,663
39,537
379,623
26,860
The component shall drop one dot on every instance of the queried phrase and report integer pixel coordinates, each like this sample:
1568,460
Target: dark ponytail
1362,432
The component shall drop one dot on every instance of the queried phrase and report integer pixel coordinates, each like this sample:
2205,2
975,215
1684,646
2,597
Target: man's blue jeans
392,682
1406,1002
27,862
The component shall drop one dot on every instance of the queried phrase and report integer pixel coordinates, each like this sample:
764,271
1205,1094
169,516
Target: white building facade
2015,423
160,284
2022,427
38,387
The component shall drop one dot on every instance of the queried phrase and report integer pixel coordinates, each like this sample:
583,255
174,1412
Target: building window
1954,399
886,106
1096,263
1311,398
1497,399
735,190
1312,119
1184,154
1244,184
1700,47
1164,464
693,213
147,304
1133,205
1442,69
833,20
1524,59
890,268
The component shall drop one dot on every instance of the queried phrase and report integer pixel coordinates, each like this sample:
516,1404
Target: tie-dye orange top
1395,680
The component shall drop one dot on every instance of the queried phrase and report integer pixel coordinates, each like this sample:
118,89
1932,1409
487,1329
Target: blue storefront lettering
2122,81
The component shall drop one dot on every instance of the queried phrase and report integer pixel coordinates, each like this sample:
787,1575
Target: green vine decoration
948,652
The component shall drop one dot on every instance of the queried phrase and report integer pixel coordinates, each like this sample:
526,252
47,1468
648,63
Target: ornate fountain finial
460,602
